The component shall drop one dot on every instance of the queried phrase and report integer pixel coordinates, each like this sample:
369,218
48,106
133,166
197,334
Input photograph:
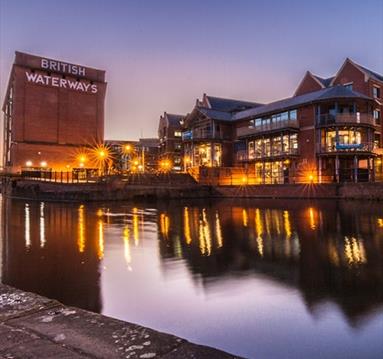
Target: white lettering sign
59,82
62,67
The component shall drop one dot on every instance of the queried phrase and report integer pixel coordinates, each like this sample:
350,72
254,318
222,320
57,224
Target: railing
242,156
342,118
203,135
246,131
344,147
60,176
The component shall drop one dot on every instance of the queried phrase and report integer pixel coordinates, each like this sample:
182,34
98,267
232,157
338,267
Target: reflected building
328,250
59,244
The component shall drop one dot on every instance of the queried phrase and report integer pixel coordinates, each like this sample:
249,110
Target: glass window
258,122
177,133
376,91
293,115
348,86
294,142
251,123
377,117
286,145
284,116
217,155
251,150
267,147
258,150
277,146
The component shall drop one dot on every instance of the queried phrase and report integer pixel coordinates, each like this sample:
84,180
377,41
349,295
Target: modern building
323,136
170,135
210,131
52,111
330,130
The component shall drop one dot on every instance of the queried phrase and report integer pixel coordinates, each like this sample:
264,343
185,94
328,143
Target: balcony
242,156
195,135
272,126
347,147
345,118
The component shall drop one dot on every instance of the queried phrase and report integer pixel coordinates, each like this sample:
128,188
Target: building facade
210,131
52,110
330,130
170,135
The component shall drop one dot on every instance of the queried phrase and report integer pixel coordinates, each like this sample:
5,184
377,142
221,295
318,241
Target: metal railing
204,135
343,118
246,131
344,147
244,156
60,176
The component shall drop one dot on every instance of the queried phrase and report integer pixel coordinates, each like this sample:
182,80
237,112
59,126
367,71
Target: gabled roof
216,115
174,120
372,74
325,82
229,105
335,92
364,70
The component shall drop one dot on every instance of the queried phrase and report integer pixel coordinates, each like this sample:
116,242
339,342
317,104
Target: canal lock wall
116,189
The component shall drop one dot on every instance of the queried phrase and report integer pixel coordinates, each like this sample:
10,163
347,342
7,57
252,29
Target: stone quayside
32,326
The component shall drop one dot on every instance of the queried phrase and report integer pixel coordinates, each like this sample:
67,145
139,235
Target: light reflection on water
266,279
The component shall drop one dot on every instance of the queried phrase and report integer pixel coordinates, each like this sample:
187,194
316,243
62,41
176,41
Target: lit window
177,133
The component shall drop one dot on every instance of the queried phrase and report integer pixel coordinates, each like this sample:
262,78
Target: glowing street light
29,163
43,164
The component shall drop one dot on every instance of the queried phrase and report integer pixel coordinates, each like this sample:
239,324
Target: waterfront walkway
32,326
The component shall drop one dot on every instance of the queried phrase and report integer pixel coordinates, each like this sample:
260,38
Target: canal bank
32,326
180,187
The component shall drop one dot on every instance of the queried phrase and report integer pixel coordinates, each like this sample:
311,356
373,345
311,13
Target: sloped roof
216,115
174,120
325,82
373,74
335,92
230,105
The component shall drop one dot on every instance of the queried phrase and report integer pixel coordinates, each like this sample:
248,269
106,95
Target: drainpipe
355,169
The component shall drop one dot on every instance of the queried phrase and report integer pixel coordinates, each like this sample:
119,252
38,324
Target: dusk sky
162,55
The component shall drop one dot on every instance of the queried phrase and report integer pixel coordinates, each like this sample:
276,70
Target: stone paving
32,327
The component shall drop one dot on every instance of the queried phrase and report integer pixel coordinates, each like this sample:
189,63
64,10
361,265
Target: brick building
330,130
169,132
52,110
210,131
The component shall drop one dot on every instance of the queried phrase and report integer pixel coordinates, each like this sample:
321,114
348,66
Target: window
376,92
294,142
277,146
293,115
286,145
258,151
377,116
251,150
284,116
177,133
348,86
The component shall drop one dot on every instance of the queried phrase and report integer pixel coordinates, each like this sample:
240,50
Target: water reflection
328,251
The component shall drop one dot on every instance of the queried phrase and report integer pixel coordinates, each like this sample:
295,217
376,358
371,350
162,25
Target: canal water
261,279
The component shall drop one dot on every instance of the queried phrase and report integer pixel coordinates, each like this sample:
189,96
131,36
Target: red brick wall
57,157
55,115
350,73
308,84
